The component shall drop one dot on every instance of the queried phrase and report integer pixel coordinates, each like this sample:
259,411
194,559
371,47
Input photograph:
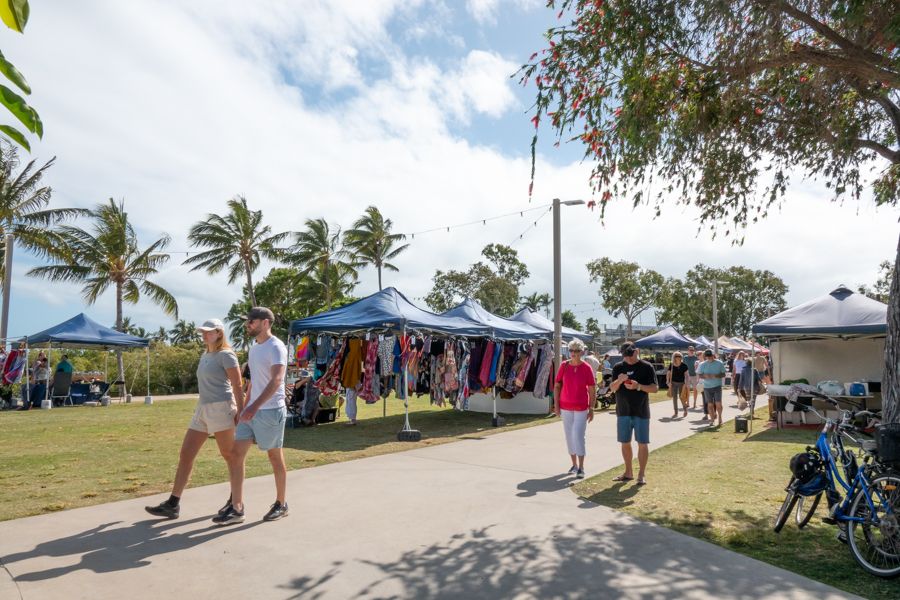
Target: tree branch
828,33
891,155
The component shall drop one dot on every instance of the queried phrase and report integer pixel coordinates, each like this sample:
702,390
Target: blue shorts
266,428
641,428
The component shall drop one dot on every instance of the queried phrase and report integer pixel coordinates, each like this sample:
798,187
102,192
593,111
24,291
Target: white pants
575,426
350,407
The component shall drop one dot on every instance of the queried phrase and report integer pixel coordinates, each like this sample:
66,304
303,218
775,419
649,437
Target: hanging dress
369,391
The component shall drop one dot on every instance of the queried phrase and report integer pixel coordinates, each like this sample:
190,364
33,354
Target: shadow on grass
620,559
334,437
107,548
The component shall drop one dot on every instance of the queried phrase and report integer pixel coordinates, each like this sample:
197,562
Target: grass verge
70,457
725,488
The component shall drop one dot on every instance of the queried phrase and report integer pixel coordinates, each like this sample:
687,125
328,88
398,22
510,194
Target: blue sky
320,108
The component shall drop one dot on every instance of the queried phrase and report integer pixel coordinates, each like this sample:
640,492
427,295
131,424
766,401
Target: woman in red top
573,400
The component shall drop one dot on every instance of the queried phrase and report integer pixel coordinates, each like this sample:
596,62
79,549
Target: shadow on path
107,548
532,487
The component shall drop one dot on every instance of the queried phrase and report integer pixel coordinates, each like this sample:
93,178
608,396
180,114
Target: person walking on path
633,380
221,398
675,379
263,418
573,400
737,368
692,380
712,372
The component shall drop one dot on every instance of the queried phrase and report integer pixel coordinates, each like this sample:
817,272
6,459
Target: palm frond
160,296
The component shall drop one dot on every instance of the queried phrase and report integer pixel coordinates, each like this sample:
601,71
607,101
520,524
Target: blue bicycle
863,500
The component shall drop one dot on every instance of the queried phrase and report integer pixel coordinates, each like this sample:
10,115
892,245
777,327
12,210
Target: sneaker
572,471
277,511
225,508
579,474
164,509
231,516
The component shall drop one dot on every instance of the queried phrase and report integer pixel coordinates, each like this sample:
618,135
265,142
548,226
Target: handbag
685,394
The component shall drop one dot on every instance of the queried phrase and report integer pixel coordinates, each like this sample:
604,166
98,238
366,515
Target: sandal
622,478
641,481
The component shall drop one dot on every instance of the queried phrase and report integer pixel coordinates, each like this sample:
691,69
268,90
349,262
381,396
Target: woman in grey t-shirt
221,400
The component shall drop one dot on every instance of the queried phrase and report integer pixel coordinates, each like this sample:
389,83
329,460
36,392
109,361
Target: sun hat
211,325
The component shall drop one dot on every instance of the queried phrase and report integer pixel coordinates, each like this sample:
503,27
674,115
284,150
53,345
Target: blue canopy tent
544,324
387,310
840,313
500,328
704,341
83,332
667,338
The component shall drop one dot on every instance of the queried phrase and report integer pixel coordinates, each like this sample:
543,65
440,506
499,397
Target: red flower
758,111
536,120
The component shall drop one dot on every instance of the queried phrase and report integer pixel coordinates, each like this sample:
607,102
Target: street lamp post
7,281
715,301
557,278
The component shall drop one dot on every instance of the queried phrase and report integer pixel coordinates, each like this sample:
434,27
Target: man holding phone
633,380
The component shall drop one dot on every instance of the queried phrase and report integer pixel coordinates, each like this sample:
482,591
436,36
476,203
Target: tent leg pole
26,381
46,403
148,399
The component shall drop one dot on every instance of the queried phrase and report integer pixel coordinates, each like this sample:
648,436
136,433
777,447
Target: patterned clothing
544,369
352,371
369,393
331,380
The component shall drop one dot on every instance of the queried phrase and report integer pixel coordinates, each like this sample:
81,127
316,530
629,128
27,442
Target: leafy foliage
14,14
625,288
713,101
746,297
184,333
236,241
495,286
536,302
569,319
881,289
318,253
371,242
23,204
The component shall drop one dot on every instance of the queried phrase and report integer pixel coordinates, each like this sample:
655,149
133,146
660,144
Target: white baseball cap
211,325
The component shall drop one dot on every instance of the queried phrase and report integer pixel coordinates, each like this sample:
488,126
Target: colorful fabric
484,374
302,352
352,371
451,376
543,374
369,392
330,382
13,366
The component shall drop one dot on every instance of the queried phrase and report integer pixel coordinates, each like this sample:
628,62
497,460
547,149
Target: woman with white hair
221,400
573,400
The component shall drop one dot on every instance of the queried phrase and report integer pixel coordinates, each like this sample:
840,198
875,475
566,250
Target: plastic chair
62,382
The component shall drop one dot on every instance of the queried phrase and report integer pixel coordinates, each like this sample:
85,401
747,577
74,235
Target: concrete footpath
485,517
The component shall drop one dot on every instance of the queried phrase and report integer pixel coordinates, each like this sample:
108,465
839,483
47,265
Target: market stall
524,348
837,337
83,332
546,325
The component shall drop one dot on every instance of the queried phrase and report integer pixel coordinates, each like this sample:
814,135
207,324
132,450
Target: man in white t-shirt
263,417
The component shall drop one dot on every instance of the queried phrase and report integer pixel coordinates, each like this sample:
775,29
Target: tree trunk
890,379
250,291
327,289
628,320
379,277
120,363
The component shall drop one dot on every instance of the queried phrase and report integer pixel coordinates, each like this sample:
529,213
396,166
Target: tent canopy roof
546,325
840,313
666,338
500,328
385,310
82,331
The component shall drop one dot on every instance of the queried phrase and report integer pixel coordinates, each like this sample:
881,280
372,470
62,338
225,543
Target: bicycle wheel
806,508
875,541
786,507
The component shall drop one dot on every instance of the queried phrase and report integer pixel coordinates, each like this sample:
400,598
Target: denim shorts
266,428
712,395
641,428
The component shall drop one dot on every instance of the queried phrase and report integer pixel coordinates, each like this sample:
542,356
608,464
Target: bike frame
833,474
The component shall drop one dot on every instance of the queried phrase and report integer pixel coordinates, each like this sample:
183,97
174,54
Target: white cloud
483,11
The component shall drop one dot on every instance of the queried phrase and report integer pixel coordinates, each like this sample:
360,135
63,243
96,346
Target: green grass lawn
725,488
69,457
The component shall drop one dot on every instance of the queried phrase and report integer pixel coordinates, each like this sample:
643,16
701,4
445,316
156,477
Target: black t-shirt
678,372
632,403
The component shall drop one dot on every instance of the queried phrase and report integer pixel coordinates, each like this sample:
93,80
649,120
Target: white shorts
213,417
692,381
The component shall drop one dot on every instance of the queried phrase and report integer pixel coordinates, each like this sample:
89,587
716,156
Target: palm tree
23,202
535,302
372,243
160,335
318,253
184,332
237,331
109,255
236,241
